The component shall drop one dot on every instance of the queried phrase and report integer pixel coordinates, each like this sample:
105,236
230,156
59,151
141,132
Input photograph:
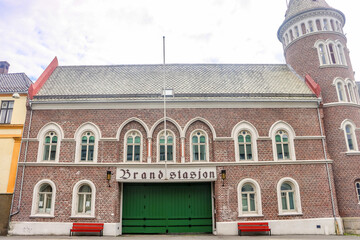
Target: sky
115,32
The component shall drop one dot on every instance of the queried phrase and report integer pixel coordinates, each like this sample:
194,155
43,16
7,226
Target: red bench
253,227
87,227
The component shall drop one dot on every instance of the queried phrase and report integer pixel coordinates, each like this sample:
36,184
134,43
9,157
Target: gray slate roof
14,82
298,6
187,80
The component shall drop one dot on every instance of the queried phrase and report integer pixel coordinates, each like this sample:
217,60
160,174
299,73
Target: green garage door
167,208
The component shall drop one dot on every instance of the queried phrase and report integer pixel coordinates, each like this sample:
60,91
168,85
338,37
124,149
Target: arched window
249,198
322,54
303,28
311,26
351,92
288,197
318,25
87,146
133,146
341,55
50,145
350,136
326,25
166,146
43,199
357,187
332,25
245,146
297,33
282,145
291,35
340,89
332,53
199,146
83,202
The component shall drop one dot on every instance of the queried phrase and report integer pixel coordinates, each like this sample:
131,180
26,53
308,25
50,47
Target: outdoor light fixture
16,95
108,177
223,175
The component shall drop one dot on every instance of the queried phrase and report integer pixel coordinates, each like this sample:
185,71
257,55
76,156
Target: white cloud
94,32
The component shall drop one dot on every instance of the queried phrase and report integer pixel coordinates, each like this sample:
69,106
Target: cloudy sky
100,32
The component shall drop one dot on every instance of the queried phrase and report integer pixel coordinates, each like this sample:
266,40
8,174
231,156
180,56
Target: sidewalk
189,237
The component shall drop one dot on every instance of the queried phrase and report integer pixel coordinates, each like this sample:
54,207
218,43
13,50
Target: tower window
332,25
311,26
326,25
318,25
332,53
291,35
322,54
341,55
297,33
303,28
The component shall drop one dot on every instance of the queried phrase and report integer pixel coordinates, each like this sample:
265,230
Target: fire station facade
230,143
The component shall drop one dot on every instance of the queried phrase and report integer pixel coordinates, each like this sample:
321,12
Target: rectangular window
6,111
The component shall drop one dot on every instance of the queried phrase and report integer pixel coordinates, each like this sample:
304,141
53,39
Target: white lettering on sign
132,174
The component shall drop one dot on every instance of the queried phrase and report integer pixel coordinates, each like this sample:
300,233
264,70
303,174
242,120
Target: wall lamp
16,95
108,176
223,175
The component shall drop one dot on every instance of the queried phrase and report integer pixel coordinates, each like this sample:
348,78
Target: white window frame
87,127
351,91
340,57
158,147
35,199
345,123
258,203
245,126
206,146
50,127
280,125
357,189
126,146
297,199
75,200
343,91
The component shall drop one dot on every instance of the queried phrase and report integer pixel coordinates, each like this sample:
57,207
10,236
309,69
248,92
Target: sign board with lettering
169,174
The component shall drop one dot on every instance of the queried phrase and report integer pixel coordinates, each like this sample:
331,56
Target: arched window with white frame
83,202
349,128
87,137
340,89
357,189
133,146
249,198
332,52
245,138
166,146
283,135
43,204
199,146
49,137
351,91
341,54
322,54
288,192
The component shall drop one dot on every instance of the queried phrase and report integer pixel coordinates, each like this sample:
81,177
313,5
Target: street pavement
186,237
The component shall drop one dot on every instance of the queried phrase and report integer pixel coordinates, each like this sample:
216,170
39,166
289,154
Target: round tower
315,44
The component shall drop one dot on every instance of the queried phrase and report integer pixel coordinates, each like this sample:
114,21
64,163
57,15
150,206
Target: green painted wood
167,208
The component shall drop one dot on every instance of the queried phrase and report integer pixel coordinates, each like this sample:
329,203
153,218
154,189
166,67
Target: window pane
48,203
84,139
285,138
291,200
194,139
248,152
54,139
195,153
45,188
241,138
81,203
88,203
137,139
286,151
170,139
286,186
137,153
129,140
244,203
46,152
8,117
277,138
279,151
92,139
283,201
242,152
41,203
247,188
162,153
53,152
162,139
91,153
252,202
2,116
83,153
85,188
202,152
47,139
248,138
169,153
202,139
129,153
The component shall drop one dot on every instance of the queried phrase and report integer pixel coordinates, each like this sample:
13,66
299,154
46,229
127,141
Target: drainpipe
328,173
23,170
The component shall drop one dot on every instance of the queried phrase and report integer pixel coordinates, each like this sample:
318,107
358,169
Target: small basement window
168,92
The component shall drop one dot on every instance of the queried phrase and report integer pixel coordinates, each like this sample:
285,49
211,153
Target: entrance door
167,208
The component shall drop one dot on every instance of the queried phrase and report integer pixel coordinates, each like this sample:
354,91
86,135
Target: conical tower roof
296,7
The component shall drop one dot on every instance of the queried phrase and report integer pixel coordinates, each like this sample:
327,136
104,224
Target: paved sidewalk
189,237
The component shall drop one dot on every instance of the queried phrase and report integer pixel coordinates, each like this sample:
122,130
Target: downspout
23,170
328,173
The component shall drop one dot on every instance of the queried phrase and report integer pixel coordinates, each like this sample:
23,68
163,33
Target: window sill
353,153
82,216
42,216
291,214
250,215
333,65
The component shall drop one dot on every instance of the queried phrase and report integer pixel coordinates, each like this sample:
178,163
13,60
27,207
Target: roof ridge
177,64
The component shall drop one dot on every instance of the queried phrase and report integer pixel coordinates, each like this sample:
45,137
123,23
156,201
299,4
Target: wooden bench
253,227
87,227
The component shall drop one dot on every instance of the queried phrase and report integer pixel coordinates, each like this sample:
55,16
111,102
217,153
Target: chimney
4,67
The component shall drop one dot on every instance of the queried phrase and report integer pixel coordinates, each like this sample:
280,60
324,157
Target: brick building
198,147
